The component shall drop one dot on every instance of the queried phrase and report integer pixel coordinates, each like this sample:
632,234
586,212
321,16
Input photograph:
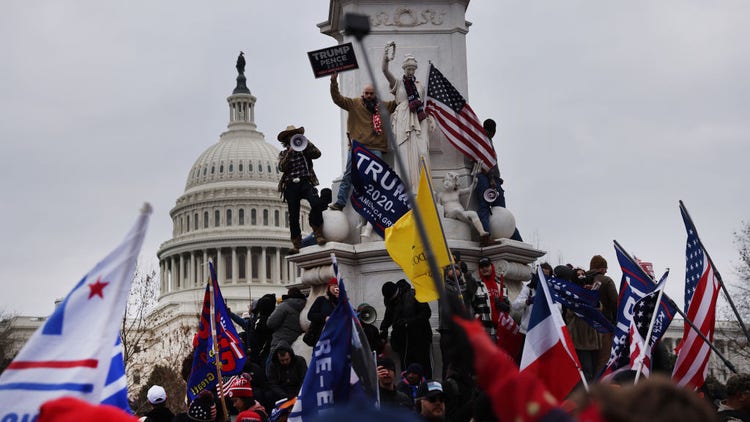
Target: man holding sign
364,125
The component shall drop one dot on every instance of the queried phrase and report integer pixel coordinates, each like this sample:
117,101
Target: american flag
582,301
701,292
457,120
643,313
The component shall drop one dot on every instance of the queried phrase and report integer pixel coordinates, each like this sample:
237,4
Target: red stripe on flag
86,363
460,133
555,369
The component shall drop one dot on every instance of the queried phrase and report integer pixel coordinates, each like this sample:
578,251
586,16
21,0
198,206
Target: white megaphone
490,195
367,313
298,142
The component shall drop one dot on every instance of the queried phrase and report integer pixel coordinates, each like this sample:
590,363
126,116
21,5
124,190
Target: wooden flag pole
215,350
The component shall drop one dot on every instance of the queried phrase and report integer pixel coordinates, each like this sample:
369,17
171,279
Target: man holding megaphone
298,182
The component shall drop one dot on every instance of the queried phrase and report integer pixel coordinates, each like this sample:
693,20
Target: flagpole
697,330
716,273
561,336
642,353
419,222
217,359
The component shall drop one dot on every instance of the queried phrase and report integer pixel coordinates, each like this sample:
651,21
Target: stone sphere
335,226
502,223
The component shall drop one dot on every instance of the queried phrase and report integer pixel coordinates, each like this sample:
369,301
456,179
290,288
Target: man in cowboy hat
298,182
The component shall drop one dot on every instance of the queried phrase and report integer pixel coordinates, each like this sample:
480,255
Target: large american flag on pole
457,120
701,292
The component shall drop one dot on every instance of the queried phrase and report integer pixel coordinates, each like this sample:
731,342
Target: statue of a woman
409,120
240,63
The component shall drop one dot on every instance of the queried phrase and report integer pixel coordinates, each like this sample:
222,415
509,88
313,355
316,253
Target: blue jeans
346,181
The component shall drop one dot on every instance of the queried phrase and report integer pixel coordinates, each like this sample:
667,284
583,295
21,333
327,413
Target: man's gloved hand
502,305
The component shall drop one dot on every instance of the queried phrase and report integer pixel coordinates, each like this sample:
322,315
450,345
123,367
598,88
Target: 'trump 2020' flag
342,367
548,352
457,120
634,285
378,193
701,292
231,353
77,352
406,249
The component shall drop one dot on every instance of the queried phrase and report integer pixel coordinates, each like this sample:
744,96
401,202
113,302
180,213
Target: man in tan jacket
364,125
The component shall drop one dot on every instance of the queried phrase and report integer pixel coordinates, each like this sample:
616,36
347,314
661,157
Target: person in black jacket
411,336
320,310
286,372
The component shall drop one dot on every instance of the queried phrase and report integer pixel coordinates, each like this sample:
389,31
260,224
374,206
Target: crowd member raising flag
457,120
635,284
649,322
77,352
701,292
403,243
548,352
342,366
216,337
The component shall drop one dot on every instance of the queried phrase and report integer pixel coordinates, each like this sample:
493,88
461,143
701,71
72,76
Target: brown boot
296,245
318,232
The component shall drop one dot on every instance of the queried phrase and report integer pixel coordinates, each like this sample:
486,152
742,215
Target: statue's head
409,65
450,182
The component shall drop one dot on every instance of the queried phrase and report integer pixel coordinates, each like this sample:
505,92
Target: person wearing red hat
70,409
319,312
241,396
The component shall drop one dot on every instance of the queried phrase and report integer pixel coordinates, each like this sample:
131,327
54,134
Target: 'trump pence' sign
333,59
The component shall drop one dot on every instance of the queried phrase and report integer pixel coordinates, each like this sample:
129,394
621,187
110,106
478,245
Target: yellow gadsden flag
405,248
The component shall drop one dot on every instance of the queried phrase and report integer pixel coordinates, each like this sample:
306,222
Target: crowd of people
479,381
482,319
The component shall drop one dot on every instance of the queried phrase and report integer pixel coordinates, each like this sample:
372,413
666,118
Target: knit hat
333,281
156,394
484,261
70,409
389,290
597,262
293,292
203,407
415,368
240,386
387,363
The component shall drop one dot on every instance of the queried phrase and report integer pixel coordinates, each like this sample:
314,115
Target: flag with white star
701,293
77,352
581,301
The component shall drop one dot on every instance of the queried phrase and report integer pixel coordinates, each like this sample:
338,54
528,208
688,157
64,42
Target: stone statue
450,198
409,120
241,63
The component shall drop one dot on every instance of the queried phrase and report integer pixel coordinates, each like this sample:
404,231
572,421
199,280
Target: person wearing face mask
364,125
409,120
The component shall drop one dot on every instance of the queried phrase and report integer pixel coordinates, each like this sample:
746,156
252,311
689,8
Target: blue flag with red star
77,352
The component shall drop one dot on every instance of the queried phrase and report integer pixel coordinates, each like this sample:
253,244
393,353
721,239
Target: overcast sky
608,113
